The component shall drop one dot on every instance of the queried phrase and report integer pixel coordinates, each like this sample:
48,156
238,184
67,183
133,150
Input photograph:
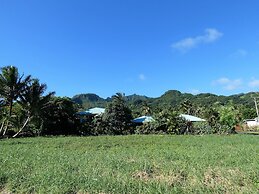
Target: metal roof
82,113
191,118
96,111
92,111
143,119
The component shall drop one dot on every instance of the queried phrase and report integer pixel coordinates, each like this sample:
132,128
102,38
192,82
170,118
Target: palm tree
11,85
119,98
117,116
33,102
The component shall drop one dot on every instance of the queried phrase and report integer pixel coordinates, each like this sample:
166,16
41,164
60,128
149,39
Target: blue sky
133,46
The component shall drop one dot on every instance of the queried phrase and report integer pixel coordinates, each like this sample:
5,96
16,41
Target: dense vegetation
131,164
174,99
26,110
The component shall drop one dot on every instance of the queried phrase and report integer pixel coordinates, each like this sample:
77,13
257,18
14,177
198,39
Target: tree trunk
10,114
6,127
10,108
2,127
24,125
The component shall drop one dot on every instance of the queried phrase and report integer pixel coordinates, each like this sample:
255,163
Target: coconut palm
11,85
33,102
117,116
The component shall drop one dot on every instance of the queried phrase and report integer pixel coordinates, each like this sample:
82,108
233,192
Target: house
83,116
191,118
92,112
143,119
96,111
251,123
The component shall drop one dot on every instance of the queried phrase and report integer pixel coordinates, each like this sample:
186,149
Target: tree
169,121
211,114
11,85
33,102
229,116
247,112
117,116
59,117
145,109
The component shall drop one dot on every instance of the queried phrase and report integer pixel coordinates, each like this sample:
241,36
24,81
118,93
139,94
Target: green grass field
130,164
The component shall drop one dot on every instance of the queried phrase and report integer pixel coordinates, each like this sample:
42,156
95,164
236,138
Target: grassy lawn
130,164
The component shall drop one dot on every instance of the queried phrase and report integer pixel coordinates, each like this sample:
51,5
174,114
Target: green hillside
171,98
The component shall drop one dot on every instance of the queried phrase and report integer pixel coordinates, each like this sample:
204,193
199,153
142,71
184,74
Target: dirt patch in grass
4,191
213,178
172,179
142,175
220,180
229,181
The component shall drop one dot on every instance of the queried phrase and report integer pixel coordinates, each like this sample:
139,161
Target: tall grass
131,164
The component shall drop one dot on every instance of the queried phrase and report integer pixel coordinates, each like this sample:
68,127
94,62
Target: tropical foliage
27,110
176,100
117,117
11,87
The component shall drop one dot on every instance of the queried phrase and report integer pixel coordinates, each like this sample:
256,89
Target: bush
166,122
149,128
201,128
229,117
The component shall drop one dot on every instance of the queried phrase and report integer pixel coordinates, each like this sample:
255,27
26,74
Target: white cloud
240,53
223,80
195,91
254,83
211,35
229,84
142,77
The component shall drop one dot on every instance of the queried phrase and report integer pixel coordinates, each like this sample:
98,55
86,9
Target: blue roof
143,119
191,118
83,113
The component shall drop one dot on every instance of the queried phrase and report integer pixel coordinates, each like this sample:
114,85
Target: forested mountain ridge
25,109
172,98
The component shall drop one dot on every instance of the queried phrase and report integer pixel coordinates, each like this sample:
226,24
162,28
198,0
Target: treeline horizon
172,98
176,90
26,110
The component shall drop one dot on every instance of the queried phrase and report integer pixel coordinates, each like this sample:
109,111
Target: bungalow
83,116
143,119
191,118
92,112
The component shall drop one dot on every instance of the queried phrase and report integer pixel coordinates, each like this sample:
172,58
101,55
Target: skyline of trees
25,108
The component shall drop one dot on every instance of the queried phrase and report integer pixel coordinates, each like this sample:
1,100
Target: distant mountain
170,98
136,97
92,100
89,100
